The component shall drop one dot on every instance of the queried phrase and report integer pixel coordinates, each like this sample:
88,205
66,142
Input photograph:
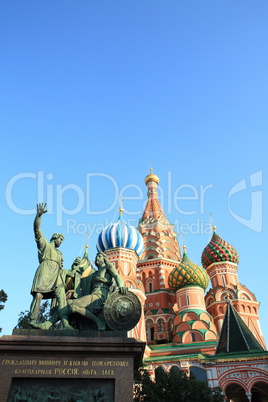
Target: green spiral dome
187,274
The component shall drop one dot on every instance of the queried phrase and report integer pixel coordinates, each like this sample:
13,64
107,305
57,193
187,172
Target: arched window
152,333
199,373
223,281
188,300
150,330
170,326
174,369
160,325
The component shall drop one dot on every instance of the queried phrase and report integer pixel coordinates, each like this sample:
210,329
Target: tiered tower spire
161,254
159,238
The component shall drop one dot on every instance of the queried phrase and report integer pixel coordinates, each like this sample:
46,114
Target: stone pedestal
68,366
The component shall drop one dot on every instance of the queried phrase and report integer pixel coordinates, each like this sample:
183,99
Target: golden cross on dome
120,206
212,223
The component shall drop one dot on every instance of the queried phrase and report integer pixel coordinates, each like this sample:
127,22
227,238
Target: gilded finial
120,206
184,249
214,229
151,177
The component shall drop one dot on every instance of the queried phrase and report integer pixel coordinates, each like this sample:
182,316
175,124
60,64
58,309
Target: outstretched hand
123,290
41,208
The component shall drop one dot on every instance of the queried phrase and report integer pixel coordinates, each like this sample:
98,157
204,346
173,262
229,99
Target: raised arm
41,209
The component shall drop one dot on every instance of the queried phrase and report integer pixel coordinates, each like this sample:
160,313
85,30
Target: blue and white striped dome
120,234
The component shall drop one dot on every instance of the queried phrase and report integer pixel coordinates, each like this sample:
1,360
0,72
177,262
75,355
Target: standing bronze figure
48,282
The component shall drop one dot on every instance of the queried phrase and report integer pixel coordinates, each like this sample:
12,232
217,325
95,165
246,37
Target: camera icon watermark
254,199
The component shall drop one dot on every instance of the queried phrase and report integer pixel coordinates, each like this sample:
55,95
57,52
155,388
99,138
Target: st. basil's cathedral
215,335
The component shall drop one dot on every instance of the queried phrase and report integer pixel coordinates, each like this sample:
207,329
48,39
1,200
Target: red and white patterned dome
218,250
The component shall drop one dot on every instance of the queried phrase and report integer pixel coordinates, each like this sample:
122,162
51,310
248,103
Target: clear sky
94,93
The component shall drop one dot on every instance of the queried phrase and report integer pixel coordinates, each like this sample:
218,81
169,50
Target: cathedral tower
160,256
220,259
123,244
192,322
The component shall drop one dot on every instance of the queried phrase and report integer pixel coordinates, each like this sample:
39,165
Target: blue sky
93,94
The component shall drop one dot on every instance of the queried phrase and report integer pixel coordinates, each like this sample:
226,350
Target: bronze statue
88,291
71,279
48,281
81,268
95,289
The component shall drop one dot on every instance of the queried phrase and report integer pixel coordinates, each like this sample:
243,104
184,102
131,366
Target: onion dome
151,177
120,234
218,250
187,274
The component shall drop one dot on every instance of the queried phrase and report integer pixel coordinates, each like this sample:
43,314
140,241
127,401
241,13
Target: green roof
235,335
172,346
193,356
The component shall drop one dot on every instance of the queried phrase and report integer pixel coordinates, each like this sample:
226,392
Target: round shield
122,312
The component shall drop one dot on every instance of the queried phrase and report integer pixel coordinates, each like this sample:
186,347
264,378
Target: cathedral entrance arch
259,392
235,393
